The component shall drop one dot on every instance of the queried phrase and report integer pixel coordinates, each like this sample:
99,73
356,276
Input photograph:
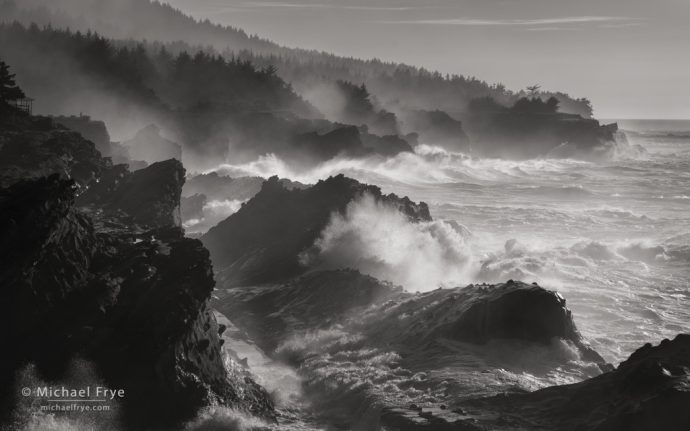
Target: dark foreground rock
389,350
474,314
151,196
94,269
263,240
33,147
648,391
450,359
134,302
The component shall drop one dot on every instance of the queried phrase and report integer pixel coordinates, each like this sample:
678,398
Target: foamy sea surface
612,236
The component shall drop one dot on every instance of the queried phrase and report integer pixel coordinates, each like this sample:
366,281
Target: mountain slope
144,19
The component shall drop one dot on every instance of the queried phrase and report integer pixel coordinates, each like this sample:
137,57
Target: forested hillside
390,82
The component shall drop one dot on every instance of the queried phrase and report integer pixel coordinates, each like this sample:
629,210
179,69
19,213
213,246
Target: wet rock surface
151,196
95,269
262,241
389,350
648,391
221,187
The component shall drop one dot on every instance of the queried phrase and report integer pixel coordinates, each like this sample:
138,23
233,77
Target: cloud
268,4
517,22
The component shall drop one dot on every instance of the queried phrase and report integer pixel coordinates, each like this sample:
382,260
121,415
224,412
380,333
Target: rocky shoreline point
376,356
96,268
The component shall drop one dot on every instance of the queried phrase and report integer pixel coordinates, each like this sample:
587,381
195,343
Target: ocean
612,236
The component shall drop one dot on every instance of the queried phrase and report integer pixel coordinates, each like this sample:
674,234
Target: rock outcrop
98,271
479,314
271,313
436,128
519,133
95,131
151,196
33,147
342,326
221,187
475,314
262,241
648,391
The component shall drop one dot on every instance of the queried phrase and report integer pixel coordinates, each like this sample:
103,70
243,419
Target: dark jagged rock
150,195
94,131
315,300
436,128
462,340
387,146
81,281
344,141
133,302
220,187
519,133
648,391
480,313
475,314
314,147
262,241
32,147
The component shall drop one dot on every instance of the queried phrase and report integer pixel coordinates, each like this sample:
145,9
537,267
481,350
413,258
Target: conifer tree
9,91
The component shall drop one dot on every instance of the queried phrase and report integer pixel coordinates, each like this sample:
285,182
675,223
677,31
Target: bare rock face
151,196
262,241
94,131
315,300
96,269
336,325
648,391
475,314
33,147
436,128
220,187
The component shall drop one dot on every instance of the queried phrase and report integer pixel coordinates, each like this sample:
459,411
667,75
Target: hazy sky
630,57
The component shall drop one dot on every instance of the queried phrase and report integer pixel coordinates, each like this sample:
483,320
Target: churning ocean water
612,236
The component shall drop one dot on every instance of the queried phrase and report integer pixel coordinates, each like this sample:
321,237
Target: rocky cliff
262,241
94,268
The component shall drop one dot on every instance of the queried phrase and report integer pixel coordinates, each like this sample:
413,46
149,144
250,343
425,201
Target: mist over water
378,240
612,236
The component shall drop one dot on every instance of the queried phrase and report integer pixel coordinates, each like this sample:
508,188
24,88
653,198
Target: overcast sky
630,57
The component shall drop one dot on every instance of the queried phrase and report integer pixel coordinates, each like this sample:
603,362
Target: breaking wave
225,419
426,165
378,240
213,213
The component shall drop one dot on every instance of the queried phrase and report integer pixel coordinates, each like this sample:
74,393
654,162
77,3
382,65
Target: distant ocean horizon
650,125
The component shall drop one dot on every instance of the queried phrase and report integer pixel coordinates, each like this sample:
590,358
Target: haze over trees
390,82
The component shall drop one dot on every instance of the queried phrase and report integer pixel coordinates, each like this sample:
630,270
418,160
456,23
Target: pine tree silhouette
9,91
